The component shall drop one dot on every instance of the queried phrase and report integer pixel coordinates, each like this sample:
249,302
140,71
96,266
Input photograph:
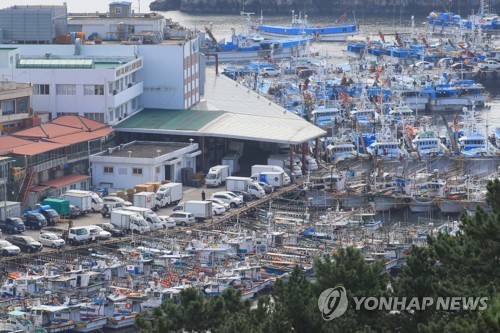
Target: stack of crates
156,185
187,176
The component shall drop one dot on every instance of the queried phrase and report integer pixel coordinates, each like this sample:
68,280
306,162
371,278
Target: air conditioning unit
115,92
130,85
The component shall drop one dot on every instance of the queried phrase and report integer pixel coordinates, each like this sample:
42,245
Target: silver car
7,249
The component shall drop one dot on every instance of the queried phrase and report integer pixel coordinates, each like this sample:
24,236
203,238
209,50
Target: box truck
146,200
217,175
245,184
258,168
129,221
151,218
232,161
169,194
284,162
273,178
201,210
97,203
82,201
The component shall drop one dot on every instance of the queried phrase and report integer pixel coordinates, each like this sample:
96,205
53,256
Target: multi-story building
15,107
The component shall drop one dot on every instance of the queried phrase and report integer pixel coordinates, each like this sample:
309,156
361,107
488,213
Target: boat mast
249,21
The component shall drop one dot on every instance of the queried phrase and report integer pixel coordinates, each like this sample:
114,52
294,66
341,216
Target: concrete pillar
304,148
202,147
291,158
316,151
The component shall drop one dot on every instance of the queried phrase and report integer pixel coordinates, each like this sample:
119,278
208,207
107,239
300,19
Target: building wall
14,105
123,177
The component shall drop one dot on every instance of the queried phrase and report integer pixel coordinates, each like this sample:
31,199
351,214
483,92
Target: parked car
461,67
183,218
167,222
219,202
8,249
269,71
25,243
245,195
109,206
98,232
51,240
422,65
489,64
74,211
113,199
267,188
233,200
114,230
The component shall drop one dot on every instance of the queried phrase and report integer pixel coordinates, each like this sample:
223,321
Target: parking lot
190,193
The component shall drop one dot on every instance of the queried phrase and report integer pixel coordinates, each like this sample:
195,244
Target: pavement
190,193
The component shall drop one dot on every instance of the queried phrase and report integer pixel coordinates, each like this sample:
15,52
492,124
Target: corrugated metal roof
46,131
38,188
82,136
240,113
176,120
78,121
36,148
66,180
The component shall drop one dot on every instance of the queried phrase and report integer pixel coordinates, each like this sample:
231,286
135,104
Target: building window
118,10
83,185
94,116
66,89
8,107
41,89
93,89
137,171
22,105
108,170
72,187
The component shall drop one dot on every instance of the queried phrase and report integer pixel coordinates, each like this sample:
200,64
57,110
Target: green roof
108,65
56,63
163,119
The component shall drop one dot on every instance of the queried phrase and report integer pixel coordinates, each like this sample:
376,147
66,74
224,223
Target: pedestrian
203,195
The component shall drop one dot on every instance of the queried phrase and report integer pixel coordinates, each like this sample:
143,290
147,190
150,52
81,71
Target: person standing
203,195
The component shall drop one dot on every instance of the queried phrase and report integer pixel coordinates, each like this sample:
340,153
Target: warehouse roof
228,110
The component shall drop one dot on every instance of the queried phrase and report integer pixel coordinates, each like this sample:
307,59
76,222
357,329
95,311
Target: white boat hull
294,51
338,37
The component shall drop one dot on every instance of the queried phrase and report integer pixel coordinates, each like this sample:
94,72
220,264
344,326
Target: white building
106,82
115,25
138,162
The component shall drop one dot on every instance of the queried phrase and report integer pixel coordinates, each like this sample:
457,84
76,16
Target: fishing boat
471,141
428,144
386,144
300,27
247,47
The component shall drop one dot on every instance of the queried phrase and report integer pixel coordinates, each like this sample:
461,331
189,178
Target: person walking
203,195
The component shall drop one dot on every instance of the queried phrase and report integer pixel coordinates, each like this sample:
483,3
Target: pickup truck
34,220
12,225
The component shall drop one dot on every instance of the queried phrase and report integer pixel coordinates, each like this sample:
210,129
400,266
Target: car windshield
29,239
155,219
143,223
17,222
52,213
52,237
81,231
211,176
4,243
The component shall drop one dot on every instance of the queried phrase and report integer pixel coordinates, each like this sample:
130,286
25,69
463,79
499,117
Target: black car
25,243
246,196
113,229
461,67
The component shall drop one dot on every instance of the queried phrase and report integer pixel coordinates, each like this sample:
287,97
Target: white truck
273,178
245,184
151,218
169,194
201,210
130,221
232,161
217,175
284,162
81,200
147,200
258,168
97,202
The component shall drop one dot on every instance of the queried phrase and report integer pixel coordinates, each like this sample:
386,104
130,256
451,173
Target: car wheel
5,253
265,75
71,242
485,68
54,246
28,250
183,223
232,205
